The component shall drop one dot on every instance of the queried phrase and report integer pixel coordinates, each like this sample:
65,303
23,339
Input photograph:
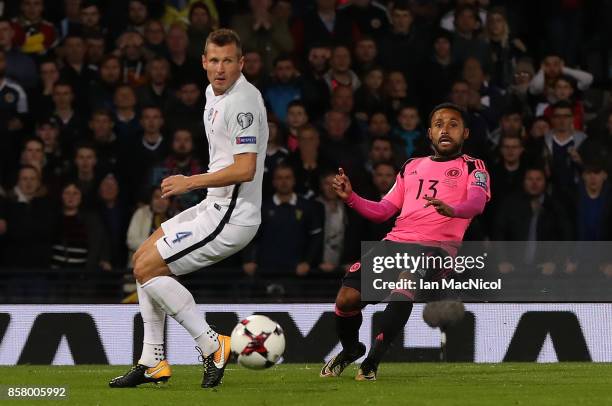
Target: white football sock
153,318
178,303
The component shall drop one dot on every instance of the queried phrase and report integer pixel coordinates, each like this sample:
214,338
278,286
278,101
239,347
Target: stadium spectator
155,37
132,54
185,111
531,216
438,71
284,87
507,173
366,55
91,19
102,91
138,15
183,67
476,144
378,125
397,93
297,117
276,153
104,140
81,241
95,45
342,100
145,220
70,121
563,142
55,164
552,67
510,124
114,216
72,18
86,174
200,25
290,237
307,162
258,30
29,223
518,90
157,91
383,178
315,90
323,25
33,35
127,121
409,133
564,89
447,21
466,41
181,161
336,147
504,48
76,71
20,67
594,217
334,226
369,97
491,98
41,99
253,69
340,72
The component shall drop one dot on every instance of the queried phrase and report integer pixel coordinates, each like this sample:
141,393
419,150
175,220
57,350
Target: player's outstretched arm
377,212
242,170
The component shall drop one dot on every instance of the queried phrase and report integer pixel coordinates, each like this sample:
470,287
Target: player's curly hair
222,37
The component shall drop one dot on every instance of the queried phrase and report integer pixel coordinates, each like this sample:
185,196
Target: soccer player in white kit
221,225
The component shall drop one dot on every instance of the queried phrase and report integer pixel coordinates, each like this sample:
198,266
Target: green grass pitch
299,384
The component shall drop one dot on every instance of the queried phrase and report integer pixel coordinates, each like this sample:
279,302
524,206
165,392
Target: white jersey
235,123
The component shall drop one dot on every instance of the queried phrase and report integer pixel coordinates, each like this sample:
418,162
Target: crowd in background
100,100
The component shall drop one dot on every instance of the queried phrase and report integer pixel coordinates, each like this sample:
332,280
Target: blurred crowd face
342,99
62,97
511,150
326,5
90,16
340,60
397,87
48,134
318,58
32,10
284,71
512,124
131,44
260,5
85,160
189,94
177,40
200,19
273,138
308,142
71,197
124,98
552,66
182,144
408,118
381,151
447,132
159,205
102,127
467,22
374,80
336,124
137,12
110,71
159,71
460,94
563,119
154,32
283,181
383,178
49,73
33,154
594,179
539,128
379,125
6,35
253,64
296,116
223,65
496,25
95,49
28,181
473,73
327,188
442,48
534,183
109,189
74,48
151,120
563,90
365,51
401,20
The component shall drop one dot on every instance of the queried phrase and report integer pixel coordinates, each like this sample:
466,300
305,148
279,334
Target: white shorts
201,236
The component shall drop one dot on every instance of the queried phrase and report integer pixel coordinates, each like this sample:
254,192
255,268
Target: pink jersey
447,180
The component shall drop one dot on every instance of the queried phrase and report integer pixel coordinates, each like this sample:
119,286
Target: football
258,342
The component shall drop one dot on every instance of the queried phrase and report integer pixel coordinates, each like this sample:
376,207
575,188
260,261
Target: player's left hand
174,185
441,207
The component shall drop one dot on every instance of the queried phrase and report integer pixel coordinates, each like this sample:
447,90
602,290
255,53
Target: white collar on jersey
292,201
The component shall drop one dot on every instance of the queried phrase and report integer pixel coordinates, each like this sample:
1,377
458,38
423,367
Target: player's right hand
342,185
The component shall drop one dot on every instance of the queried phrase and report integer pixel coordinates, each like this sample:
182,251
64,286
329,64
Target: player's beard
450,152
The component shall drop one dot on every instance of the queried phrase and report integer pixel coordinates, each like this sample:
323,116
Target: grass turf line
416,384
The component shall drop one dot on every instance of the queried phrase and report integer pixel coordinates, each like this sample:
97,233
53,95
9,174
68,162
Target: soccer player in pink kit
436,198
